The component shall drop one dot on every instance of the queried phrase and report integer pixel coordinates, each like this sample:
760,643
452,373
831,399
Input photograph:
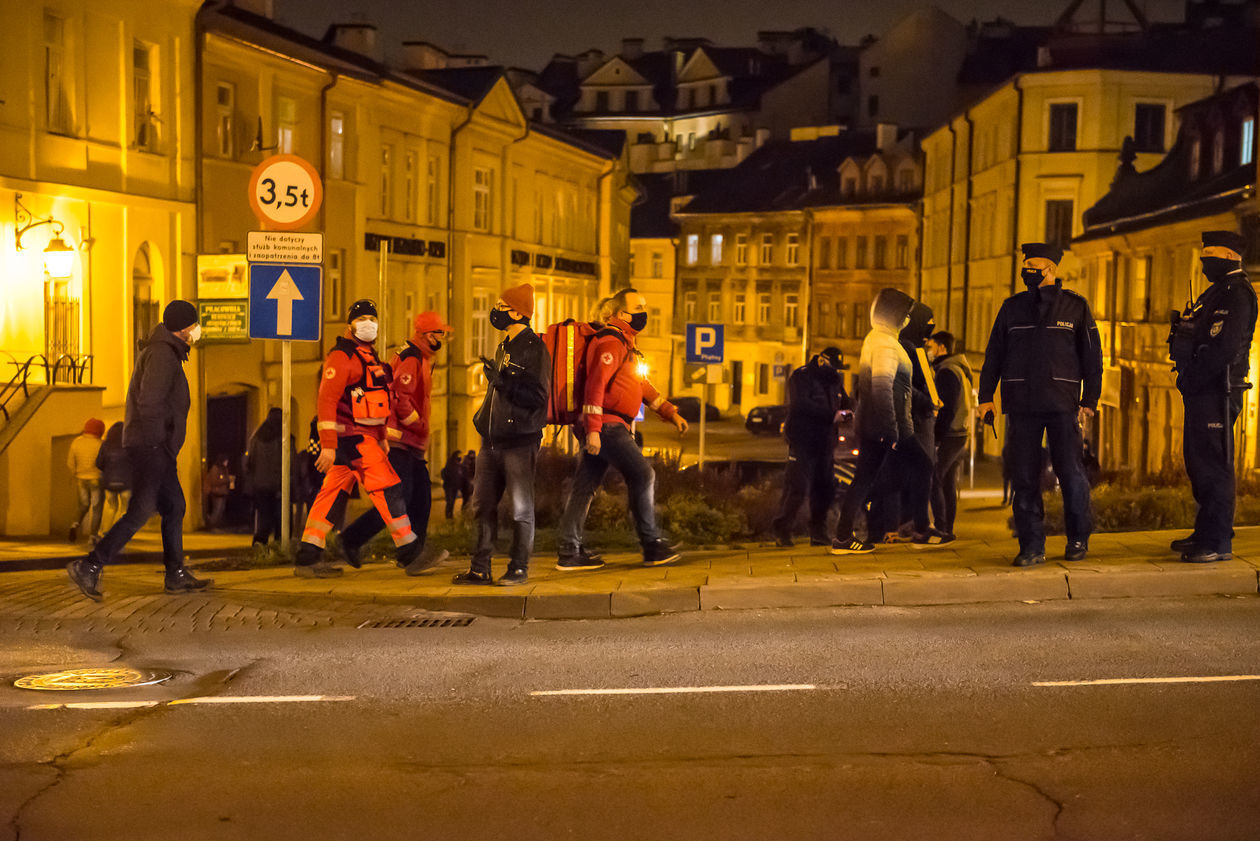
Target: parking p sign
705,343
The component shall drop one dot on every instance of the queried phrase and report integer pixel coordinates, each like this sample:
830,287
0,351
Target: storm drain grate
429,622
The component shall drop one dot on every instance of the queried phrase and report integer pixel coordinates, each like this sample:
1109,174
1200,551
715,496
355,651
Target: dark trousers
809,472
452,496
902,489
155,489
870,462
266,515
1208,447
501,472
617,449
1024,432
949,453
417,493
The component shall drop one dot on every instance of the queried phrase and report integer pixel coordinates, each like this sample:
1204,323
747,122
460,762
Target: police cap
1225,239
1048,250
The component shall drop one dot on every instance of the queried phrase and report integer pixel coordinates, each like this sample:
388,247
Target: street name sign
282,247
284,301
705,343
285,192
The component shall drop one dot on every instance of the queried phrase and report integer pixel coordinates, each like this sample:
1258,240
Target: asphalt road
881,723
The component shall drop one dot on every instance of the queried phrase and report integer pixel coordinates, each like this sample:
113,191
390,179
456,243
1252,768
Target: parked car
689,408
766,420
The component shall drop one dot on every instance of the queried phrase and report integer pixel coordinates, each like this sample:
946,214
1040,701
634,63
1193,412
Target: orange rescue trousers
359,459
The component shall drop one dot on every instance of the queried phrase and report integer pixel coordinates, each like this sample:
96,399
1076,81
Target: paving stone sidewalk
1133,564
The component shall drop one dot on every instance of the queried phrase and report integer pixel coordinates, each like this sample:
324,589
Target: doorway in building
737,383
227,436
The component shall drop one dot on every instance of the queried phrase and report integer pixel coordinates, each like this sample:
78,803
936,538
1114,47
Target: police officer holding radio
1210,346
1045,350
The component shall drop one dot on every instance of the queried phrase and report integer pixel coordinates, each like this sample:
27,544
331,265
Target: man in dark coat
1211,348
1045,350
815,398
153,434
953,426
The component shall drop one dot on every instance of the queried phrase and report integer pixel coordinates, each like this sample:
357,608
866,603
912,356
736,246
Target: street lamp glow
59,259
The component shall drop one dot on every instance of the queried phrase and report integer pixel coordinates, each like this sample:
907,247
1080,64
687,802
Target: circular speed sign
285,192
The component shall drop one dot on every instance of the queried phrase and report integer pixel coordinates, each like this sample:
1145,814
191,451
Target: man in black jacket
1211,348
1045,350
815,398
510,423
953,426
153,433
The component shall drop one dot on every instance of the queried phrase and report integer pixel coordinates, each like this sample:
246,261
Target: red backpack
567,343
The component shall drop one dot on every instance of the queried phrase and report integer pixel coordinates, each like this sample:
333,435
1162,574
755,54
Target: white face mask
194,334
365,331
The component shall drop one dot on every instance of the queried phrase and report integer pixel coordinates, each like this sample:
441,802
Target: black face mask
1032,277
435,346
500,320
1217,267
637,321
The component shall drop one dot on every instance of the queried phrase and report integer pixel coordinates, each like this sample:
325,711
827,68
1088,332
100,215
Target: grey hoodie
883,392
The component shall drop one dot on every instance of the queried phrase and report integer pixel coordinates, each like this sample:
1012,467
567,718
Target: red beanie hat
94,426
519,298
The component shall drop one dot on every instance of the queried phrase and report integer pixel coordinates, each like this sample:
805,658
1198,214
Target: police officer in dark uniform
1045,350
1210,346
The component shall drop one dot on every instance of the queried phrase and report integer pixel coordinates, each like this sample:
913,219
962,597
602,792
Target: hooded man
510,423
153,433
408,435
615,390
883,418
1211,351
352,410
905,488
1045,351
815,398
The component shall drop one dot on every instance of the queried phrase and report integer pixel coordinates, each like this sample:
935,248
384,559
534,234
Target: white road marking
680,690
208,699
1117,681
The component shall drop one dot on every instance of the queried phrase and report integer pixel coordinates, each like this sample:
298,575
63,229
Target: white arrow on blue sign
284,301
705,343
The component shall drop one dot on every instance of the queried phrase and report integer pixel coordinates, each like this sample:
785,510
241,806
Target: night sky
526,33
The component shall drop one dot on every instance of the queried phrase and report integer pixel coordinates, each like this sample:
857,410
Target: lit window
481,198
715,249
57,108
336,145
693,249
481,324
286,124
225,123
334,286
1247,150
142,96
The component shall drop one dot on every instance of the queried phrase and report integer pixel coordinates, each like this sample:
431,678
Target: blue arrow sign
705,343
284,301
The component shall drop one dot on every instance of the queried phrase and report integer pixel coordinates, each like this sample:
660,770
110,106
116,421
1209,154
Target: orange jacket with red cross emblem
614,387
413,383
352,369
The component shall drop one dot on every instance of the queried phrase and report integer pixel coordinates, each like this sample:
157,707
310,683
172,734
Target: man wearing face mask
614,392
153,434
510,423
352,410
1211,351
408,434
1045,350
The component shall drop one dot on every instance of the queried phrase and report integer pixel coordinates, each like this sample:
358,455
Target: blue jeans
155,489
617,449
500,472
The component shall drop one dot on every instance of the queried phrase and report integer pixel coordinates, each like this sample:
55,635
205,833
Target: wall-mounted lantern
58,254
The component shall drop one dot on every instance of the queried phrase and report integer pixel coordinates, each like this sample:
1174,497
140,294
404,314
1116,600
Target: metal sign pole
286,419
704,399
381,304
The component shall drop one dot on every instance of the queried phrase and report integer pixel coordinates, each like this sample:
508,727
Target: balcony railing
37,369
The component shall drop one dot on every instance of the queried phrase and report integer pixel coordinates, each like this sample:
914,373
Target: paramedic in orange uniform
353,409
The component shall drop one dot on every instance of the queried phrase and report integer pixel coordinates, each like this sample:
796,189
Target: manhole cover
106,677
456,622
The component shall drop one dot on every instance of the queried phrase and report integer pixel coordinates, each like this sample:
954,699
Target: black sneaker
86,575
1029,558
930,540
1076,550
514,575
582,560
658,553
850,546
319,569
352,554
471,577
183,581
427,560
1205,556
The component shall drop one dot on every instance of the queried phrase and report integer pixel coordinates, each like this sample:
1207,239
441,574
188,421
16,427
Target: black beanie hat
361,307
178,315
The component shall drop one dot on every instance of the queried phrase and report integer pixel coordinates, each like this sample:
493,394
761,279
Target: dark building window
872,106
632,100
1059,221
862,261
601,100
1063,127
881,252
1148,128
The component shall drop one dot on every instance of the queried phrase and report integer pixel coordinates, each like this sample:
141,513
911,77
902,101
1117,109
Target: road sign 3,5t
285,192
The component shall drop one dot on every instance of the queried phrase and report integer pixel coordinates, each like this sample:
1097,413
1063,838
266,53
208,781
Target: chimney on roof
262,8
356,37
588,62
421,55
631,48
886,136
